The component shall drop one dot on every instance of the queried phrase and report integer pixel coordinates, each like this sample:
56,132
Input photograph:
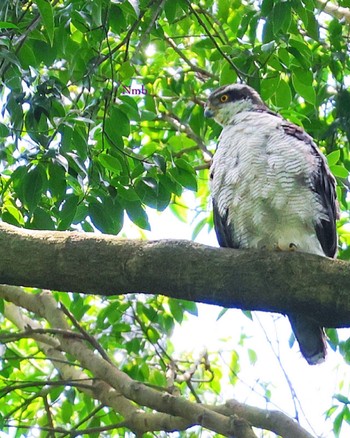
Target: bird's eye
224,98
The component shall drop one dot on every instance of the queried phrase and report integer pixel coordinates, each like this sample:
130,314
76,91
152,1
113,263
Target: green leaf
160,162
46,13
129,107
152,193
110,163
148,115
312,26
180,141
266,7
67,212
126,72
234,364
189,306
176,310
32,188
158,378
130,9
284,56
281,16
96,12
301,52
121,327
337,424
117,123
153,334
333,338
283,96
185,178
267,33
221,313
4,131
339,171
44,52
223,9
41,220
170,185
269,86
333,157
248,314
27,56
117,20
7,25
227,75
301,12
106,215
303,89
304,76
170,10
57,183
67,407
199,227
341,398
252,356
137,215
203,43
12,215
185,165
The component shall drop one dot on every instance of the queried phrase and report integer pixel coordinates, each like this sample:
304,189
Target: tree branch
193,67
174,121
116,389
334,10
276,421
247,279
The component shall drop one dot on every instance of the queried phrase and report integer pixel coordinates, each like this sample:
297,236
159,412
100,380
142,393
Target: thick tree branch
106,265
276,421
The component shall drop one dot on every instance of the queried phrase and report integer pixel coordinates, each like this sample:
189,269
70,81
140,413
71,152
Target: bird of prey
271,189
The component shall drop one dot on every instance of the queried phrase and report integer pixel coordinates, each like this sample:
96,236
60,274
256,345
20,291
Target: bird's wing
224,231
323,184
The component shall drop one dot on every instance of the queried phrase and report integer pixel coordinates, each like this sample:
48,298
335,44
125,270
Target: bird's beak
208,112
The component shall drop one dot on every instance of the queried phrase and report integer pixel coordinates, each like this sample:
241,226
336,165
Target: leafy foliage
102,119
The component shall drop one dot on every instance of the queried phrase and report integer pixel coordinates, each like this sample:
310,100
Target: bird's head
227,101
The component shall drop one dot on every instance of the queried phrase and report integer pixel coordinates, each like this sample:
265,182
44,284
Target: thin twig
12,337
85,335
294,396
157,11
193,67
176,123
240,74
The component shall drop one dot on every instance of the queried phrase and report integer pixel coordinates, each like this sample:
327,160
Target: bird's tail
311,338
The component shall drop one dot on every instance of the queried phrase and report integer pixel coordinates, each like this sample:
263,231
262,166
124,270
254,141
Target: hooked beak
208,112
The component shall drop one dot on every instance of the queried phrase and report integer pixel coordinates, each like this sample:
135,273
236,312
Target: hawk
271,189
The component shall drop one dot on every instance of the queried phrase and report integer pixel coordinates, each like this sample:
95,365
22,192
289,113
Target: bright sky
314,386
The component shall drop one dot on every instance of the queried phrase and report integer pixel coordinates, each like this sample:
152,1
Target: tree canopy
101,126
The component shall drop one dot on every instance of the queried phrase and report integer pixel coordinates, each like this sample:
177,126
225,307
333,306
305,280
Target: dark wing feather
310,336
223,230
323,183
326,231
